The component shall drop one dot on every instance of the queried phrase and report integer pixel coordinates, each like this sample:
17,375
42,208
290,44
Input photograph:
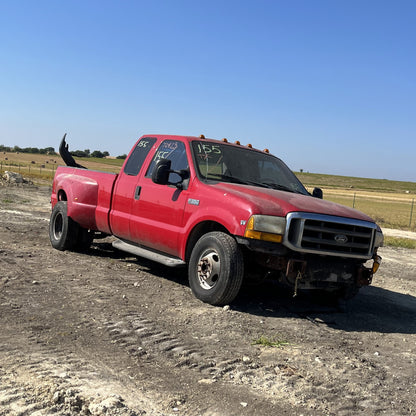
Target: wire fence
37,170
388,211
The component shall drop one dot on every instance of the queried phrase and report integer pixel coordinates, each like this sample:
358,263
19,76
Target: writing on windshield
227,163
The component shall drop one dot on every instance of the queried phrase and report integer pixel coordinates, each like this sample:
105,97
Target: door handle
137,192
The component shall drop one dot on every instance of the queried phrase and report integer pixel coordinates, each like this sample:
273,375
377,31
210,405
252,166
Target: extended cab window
174,151
138,156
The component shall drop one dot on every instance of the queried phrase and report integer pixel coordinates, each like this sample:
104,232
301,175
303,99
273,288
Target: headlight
266,228
379,239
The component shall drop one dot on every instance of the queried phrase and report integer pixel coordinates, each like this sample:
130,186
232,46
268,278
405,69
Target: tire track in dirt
44,383
278,380
150,341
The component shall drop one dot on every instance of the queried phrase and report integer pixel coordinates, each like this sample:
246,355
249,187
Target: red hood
280,203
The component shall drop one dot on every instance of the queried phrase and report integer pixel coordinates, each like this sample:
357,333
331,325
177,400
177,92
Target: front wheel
63,230
216,268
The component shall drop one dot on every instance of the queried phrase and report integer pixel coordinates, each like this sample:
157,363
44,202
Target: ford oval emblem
341,238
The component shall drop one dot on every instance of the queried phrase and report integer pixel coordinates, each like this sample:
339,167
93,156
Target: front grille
329,235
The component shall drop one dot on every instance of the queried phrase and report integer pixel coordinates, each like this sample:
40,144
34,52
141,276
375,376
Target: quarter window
138,156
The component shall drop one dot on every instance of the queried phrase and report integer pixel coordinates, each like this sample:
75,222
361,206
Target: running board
148,254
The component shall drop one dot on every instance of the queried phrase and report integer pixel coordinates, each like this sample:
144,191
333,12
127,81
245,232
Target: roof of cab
202,137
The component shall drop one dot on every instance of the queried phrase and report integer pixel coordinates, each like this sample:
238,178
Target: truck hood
280,203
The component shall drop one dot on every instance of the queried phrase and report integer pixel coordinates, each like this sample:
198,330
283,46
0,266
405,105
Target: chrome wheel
209,267
216,268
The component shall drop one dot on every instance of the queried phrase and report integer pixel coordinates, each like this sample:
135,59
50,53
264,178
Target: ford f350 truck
226,211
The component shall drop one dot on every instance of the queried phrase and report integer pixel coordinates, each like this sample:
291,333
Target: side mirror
162,170
317,193
160,174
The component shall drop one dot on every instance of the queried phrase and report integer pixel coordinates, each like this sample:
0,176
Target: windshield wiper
281,187
226,178
233,179
270,185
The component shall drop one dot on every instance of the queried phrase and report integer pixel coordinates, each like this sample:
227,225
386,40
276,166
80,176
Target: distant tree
87,152
97,153
105,153
34,150
121,156
47,151
79,153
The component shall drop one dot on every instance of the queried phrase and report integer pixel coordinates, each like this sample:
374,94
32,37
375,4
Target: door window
174,151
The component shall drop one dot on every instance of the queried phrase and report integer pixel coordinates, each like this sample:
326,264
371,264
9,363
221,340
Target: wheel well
62,196
200,230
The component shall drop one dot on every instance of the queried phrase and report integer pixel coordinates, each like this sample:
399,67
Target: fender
232,221
82,197
88,194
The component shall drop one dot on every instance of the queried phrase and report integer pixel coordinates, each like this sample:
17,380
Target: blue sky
329,86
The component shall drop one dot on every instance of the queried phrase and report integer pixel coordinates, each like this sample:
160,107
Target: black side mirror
160,174
162,170
317,193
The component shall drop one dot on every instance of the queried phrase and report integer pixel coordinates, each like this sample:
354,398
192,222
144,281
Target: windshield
225,163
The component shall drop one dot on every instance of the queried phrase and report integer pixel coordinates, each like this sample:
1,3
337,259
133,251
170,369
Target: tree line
17,149
51,151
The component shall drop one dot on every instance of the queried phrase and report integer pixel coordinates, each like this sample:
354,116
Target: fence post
353,201
411,213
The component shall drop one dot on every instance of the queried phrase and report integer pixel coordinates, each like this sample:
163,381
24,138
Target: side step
148,254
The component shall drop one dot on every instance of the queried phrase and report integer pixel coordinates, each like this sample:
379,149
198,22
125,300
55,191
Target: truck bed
89,192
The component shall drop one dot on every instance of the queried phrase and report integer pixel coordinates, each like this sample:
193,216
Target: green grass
266,342
101,161
400,242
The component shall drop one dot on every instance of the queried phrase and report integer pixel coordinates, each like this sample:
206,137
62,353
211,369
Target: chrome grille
330,235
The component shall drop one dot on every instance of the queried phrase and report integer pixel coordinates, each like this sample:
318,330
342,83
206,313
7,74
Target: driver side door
157,215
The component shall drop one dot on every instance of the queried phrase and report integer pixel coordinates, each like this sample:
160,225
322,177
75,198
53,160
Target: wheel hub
208,270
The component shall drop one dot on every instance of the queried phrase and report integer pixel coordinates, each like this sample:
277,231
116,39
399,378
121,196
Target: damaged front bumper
365,274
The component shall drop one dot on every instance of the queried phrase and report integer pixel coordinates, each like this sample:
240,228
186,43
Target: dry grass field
41,168
390,203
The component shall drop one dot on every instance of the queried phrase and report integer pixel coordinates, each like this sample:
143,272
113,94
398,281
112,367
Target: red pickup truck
227,211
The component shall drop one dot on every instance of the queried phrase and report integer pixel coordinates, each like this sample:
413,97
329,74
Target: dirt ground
105,333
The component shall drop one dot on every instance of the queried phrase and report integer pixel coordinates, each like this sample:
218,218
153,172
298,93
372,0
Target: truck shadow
373,309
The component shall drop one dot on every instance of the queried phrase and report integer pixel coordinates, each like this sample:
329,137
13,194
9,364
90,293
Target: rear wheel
216,268
63,231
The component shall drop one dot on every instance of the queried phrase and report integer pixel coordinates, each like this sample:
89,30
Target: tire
63,231
216,269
